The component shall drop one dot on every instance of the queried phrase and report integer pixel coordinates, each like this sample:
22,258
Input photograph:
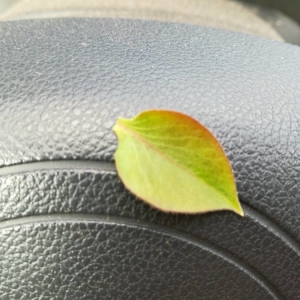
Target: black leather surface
158,262
254,240
62,85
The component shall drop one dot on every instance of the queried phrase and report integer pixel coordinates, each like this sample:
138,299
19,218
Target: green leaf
174,163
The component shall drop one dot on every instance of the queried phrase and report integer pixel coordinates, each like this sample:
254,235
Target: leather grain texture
253,239
159,262
63,83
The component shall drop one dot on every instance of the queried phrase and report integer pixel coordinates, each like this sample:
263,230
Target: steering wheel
70,230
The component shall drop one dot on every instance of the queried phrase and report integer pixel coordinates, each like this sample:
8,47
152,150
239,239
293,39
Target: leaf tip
239,210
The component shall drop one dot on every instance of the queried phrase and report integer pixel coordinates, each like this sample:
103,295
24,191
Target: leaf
174,163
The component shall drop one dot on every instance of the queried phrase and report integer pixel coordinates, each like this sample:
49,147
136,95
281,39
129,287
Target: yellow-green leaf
174,163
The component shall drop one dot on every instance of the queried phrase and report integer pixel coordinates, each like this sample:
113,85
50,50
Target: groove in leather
115,260
100,192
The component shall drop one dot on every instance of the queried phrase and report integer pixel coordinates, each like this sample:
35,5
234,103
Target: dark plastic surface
62,85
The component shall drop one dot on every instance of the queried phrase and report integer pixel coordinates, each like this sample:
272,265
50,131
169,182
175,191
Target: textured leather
117,249
253,239
62,85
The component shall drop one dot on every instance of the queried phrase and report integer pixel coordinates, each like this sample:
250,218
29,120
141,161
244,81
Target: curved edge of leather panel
77,218
91,189
109,166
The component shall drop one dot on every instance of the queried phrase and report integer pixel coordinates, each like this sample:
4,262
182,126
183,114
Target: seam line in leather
110,167
57,165
272,227
94,219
